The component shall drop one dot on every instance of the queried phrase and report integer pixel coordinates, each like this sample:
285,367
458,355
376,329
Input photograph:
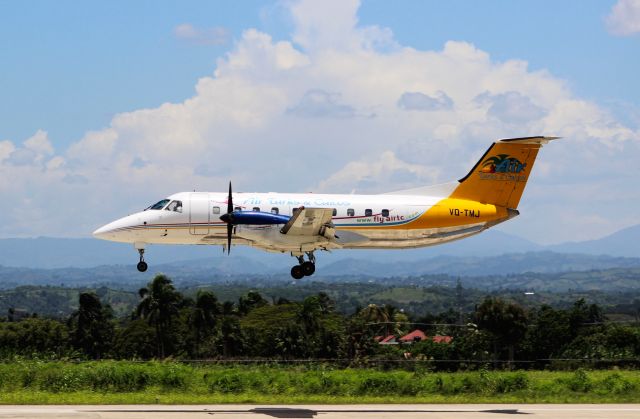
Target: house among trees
415,336
388,340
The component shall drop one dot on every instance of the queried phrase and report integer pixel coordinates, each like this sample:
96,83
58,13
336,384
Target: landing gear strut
142,265
304,268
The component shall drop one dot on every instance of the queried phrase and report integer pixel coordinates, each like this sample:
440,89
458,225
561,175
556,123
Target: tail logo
502,163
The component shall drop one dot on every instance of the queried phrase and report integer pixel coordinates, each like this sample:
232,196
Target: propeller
234,218
228,218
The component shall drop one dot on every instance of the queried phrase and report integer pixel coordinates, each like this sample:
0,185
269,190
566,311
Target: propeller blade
229,232
230,201
227,218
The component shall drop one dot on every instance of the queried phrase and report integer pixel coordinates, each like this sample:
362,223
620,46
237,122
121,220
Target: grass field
119,382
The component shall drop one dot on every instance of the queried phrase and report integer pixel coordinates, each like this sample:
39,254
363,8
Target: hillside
52,253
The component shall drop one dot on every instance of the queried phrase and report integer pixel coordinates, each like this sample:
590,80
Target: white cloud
293,116
510,107
417,101
334,25
34,150
205,36
6,148
624,19
384,173
317,103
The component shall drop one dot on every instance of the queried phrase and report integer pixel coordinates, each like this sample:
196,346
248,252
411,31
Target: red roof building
442,339
415,336
389,340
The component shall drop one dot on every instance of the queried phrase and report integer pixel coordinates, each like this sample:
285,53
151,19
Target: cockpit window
175,206
159,205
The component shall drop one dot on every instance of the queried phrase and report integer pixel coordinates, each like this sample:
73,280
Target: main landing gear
304,268
142,265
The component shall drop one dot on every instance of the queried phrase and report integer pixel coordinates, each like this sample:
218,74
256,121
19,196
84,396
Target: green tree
91,328
506,322
549,333
159,305
204,317
252,300
34,337
377,314
135,341
230,332
309,314
584,315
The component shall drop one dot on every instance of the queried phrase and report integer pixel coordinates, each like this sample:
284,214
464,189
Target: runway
439,411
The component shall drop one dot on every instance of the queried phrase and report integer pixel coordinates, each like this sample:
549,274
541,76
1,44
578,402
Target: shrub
615,383
225,383
579,381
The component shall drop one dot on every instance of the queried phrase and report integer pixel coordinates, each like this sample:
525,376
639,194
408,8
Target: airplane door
199,213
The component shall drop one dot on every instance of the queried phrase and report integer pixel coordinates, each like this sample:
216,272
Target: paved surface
442,411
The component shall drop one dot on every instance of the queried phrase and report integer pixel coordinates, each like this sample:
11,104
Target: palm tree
309,314
376,314
159,305
204,316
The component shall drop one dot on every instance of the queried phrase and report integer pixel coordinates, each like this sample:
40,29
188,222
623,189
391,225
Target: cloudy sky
106,107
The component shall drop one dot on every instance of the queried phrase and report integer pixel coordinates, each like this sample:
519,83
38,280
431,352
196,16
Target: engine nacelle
254,218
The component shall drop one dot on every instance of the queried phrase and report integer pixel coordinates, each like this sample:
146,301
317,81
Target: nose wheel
142,265
304,268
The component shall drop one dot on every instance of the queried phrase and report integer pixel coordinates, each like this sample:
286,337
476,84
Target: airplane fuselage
303,223
378,221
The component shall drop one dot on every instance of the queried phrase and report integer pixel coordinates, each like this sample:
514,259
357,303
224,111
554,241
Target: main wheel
296,272
142,266
308,268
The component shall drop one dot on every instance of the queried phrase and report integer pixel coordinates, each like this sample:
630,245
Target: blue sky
69,69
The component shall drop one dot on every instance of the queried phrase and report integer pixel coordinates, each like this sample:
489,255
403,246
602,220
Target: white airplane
300,224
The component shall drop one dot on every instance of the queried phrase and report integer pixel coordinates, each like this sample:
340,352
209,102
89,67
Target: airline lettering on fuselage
464,213
380,219
296,202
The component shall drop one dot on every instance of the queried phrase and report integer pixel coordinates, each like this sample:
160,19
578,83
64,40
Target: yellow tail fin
501,174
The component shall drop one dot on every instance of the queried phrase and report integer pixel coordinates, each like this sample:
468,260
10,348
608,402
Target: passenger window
175,206
275,210
351,212
216,210
237,209
385,212
256,209
368,212
335,212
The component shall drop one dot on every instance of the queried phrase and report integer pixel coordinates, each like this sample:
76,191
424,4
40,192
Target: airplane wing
310,222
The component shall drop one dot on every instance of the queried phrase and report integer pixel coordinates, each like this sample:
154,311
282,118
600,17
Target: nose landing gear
304,268
142,265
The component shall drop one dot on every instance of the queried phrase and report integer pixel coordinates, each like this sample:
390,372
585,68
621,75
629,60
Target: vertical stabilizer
501,174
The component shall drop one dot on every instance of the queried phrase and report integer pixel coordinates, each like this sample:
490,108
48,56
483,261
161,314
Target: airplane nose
102,232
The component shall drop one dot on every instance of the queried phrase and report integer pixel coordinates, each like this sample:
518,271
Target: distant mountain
243,269
513,263
48,253
625,242
53,253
